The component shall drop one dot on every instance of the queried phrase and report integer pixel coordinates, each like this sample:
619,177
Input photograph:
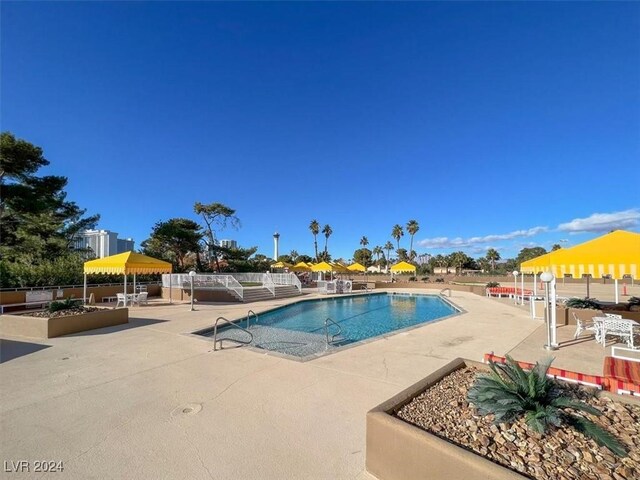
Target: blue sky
493,124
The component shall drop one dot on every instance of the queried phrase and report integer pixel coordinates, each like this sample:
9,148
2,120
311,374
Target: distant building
103,243
423,259
226,243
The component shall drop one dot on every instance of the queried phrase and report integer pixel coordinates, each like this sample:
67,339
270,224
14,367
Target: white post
554,318
515,287
535,287
522,289
125,290
192,274
84,291
615,282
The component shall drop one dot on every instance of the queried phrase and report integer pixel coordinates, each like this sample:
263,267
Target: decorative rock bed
67,312
563,453
45,324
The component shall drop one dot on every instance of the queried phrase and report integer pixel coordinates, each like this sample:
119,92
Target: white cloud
446,242
602,222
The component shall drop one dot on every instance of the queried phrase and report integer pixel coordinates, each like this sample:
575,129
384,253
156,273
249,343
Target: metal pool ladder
230,324
326,331
444,290
249,313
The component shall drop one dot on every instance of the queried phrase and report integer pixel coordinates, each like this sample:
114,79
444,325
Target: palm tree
397,233
459,259
294,256
364,241
326,230
556,246
377,251
388,247
314,226
412,229
493,256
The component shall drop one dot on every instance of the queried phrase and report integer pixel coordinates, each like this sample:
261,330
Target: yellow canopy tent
125,264
323,267
403,267
281,265
616,253
356,267
301,267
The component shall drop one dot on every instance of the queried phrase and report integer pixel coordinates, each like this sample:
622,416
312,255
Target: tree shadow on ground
133,323
10,349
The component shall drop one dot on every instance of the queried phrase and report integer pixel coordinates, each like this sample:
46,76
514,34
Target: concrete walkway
147,401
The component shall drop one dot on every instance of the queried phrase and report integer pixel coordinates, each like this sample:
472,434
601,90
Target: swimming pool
299,329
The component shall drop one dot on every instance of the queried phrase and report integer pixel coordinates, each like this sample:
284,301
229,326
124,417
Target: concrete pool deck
148,400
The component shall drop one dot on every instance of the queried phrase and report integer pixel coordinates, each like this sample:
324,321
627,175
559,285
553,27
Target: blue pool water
299,329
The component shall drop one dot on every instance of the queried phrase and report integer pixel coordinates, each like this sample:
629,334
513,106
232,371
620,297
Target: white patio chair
612,315
142,298
121,297
586,325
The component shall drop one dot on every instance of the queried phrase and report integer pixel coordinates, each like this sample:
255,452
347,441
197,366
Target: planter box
397,450
26,326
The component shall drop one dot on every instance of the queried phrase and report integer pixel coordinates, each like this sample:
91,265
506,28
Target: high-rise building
226,243
103,242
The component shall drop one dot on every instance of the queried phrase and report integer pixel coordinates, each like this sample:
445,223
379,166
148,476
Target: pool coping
307,358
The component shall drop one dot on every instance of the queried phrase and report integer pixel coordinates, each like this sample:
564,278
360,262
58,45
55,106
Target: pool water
299,329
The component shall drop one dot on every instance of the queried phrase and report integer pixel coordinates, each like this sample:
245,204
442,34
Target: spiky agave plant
510,392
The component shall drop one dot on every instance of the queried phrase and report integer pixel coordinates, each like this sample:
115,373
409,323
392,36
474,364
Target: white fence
231,281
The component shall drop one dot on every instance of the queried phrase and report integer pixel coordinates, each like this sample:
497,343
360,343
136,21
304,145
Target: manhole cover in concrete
187,409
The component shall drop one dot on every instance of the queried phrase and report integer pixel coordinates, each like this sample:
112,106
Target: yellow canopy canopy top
356,267
281,265
403,267
127,263
301,267
616,254
327,267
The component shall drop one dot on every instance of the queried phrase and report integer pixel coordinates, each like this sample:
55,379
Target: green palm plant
314,227
364,241
493,256
377,251
412,229
510,392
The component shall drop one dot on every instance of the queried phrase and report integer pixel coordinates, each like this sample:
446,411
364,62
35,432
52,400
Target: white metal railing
203,282
248,277
287,279
267,282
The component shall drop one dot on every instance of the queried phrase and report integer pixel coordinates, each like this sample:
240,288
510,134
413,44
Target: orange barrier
508,291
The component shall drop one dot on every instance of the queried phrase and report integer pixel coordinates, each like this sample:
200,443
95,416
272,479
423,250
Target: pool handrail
326,330
231,324
444,290
249,313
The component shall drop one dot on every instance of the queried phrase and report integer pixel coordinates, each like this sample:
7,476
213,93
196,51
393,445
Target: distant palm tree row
397,232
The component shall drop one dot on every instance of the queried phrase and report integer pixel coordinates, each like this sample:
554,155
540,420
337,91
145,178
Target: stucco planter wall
397,450
26,326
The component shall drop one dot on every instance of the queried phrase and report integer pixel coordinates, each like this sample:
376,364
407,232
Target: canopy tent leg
170,295
84,291
588,278
522,289
134,283
535,287
615,283
125,290
554,320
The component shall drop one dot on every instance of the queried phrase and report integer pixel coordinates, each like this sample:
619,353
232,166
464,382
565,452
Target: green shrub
634,301
510,393
66,304
439,280
413,279
492,284
425,279
583,303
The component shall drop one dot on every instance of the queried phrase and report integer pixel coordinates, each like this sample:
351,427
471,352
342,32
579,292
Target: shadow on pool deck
133,323
10,349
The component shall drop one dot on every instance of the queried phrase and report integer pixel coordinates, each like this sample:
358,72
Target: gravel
79,310
562,453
